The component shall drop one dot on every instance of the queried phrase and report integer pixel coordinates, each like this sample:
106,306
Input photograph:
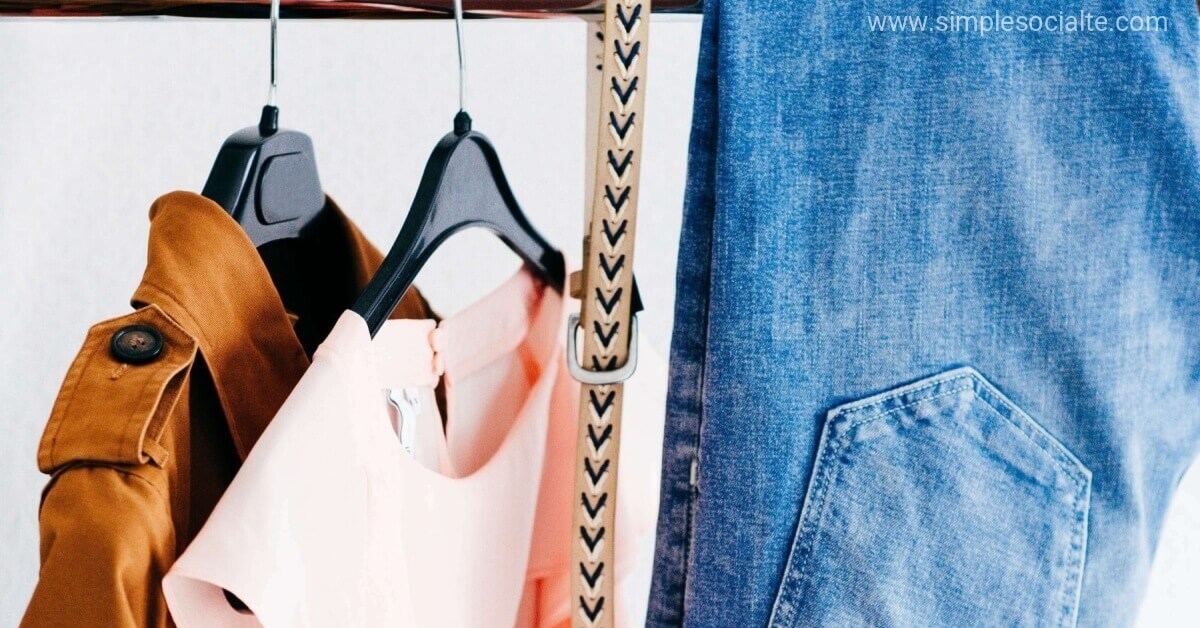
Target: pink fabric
331,522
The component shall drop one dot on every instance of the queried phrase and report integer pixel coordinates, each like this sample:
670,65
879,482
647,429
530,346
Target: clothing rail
341,9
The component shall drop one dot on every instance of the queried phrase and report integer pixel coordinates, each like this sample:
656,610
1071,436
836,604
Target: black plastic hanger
265,177
463,186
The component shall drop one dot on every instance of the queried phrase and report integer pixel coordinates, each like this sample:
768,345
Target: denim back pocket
939,503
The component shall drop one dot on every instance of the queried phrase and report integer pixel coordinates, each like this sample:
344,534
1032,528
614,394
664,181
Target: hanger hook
274,89
268,124
462,121
462,61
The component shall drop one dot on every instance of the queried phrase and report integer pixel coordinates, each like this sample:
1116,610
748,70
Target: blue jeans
936,358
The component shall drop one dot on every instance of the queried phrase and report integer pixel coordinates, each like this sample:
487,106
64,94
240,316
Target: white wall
99,118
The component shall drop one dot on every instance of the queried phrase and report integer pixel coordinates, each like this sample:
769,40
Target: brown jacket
162,404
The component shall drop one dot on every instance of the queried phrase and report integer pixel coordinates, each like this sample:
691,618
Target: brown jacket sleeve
107,534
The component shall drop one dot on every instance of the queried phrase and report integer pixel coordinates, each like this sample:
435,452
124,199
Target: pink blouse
357,508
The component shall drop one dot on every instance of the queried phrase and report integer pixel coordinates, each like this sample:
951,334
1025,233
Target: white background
97,118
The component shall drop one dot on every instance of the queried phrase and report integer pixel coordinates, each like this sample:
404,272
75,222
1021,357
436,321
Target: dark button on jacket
136,344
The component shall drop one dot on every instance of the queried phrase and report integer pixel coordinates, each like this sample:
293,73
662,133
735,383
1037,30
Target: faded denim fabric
936,358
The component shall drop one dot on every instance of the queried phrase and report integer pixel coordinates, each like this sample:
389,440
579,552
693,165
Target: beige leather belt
606,327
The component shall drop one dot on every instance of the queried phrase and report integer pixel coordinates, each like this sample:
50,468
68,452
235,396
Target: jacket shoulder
118,392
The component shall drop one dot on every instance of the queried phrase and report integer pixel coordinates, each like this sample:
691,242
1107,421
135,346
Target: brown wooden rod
339,9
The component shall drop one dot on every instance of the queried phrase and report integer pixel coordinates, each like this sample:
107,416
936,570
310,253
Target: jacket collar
205,273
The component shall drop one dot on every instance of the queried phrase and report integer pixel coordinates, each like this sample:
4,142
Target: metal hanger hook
274,89
462,61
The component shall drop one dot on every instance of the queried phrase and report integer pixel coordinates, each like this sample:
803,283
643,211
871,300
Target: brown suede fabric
138,454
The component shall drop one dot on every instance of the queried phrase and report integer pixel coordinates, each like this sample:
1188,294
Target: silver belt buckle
600,378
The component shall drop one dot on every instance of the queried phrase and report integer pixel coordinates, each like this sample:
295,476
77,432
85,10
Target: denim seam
1053,450
1075,567
1071,468
683,570
693,481
1079,551
990,397
875,417
938,380
693,486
